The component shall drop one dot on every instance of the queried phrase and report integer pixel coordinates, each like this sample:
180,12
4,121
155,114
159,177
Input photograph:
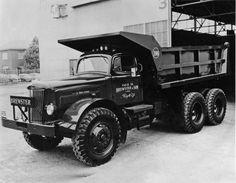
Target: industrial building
201,22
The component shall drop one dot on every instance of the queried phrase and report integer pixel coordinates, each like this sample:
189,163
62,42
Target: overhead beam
177,20
193,3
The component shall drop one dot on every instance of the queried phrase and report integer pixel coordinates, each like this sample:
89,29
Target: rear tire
194,112
97,137
41,143
216,106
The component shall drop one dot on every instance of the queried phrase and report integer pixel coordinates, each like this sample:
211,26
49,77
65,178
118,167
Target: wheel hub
196,113
218,107
100,138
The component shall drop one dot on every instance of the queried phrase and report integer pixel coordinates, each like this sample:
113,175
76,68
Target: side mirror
140,67
134,71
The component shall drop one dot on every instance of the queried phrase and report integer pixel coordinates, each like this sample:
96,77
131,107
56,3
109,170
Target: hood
71,81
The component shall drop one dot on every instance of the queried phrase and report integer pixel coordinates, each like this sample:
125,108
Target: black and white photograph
117,91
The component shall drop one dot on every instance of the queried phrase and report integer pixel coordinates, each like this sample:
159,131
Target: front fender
75,111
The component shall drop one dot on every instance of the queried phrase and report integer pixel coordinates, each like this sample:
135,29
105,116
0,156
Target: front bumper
33,128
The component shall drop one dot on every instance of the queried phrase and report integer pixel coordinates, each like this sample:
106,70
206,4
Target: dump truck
122,81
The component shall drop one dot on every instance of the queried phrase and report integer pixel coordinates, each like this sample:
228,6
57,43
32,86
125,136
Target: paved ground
149,156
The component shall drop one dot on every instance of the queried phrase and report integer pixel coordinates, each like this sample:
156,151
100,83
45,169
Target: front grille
37,110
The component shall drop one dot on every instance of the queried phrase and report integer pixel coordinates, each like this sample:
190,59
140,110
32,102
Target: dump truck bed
183,65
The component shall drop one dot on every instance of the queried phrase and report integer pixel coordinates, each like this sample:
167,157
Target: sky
18,20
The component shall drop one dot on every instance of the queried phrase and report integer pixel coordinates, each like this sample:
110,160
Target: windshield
94,64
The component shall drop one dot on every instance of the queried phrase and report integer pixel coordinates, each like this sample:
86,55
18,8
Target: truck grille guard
31,108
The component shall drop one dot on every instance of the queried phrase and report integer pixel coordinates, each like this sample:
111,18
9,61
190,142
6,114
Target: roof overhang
217,10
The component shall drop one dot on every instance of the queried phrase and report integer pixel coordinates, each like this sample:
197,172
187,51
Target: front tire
97,137
216,106
41,143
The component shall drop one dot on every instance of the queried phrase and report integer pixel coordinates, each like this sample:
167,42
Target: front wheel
97,137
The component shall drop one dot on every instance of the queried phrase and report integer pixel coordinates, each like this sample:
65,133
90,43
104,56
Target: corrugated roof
15,45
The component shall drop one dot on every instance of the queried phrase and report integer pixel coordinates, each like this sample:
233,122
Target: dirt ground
150,155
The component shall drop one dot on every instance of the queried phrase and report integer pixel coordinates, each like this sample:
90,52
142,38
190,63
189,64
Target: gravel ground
150,155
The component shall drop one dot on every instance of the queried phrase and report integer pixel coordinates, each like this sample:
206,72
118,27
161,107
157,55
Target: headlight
3,114
50,109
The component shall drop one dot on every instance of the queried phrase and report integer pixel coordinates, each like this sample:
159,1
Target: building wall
12,60
94,18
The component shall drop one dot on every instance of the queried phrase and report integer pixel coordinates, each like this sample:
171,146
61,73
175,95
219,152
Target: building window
5,56
21,55
157,29
59,10
73,65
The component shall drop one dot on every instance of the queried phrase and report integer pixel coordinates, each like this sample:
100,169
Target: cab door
126,85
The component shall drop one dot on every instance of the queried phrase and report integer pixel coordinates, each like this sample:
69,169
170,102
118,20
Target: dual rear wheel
198,110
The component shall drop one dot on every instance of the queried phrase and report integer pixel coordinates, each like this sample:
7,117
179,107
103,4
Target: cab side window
124,63
117,64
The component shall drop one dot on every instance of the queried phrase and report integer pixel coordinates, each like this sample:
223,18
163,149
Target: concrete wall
95,18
